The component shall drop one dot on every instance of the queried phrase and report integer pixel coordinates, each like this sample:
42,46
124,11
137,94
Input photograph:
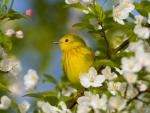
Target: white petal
120,21
98,81
138,19
84,80
62,105
24,106
92,71
84,100
83,109
30,79
5,102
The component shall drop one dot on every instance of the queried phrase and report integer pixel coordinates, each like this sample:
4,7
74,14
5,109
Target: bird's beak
55,42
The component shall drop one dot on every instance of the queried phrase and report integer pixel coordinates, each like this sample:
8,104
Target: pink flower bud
28,12
19,34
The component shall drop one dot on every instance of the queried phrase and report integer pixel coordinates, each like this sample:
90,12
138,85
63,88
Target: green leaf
64,98
12,14
143,7
53,100
15,105
84,25
106,62
3,88
74,109
50,78
4,4
78,6
5,42
43,94
98,12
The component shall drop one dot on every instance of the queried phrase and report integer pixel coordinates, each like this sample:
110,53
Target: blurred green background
50,20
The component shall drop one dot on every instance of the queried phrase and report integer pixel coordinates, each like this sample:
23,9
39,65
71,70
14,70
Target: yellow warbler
76,56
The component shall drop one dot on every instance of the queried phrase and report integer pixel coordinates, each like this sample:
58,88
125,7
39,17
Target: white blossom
93,100
116,102
127,5
130,77
68,91
121,11
64,108
103,102
131,91
143,58
5,102
141,32
138,19
71,1
47,108
19,34
142,85
134,45
119,14
113,87
91,78
11,65
130,64
83,109
16,67
108,74
24,106
30,79
116,87
10,32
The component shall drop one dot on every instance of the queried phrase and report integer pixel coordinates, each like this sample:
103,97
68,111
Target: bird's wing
89,54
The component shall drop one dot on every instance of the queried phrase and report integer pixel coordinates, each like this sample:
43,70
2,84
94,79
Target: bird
76,57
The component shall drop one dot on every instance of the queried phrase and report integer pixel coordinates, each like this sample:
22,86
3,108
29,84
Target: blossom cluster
122,10
11,66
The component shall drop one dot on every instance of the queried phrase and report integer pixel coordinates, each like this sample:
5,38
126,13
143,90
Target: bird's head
70,41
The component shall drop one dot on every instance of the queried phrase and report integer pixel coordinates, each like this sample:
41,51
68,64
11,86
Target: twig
102,32
142,100
74,100
136,97
107,43
122,46
125,93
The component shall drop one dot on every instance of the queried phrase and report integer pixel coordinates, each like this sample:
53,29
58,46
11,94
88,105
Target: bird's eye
66,40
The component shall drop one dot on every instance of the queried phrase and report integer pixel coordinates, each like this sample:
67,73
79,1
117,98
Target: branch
73,101
122,46
125,93
136,97
108,52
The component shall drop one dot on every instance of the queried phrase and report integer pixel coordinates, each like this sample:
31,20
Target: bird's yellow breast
76,61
